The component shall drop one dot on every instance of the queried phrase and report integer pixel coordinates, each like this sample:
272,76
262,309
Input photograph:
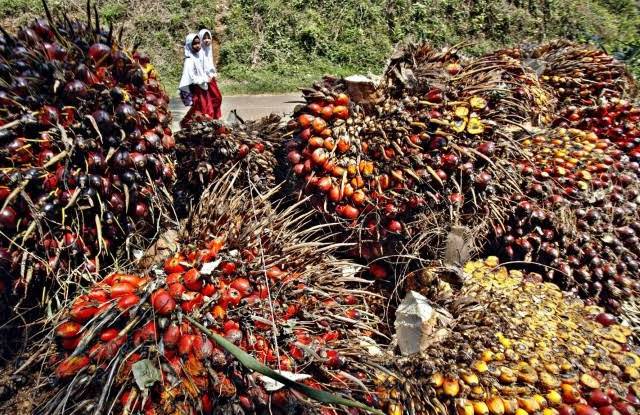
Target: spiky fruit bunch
615,119
255,277
580,74
578,218
83,132
396,172
512,346
207,151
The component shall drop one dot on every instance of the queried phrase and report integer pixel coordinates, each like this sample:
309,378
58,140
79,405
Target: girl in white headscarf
194,81
206,55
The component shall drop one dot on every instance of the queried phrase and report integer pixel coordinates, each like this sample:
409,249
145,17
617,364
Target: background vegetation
277,45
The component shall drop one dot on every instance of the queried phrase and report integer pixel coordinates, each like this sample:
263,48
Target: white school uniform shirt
206,54
192,70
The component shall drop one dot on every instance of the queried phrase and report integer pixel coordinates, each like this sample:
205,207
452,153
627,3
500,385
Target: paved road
249,107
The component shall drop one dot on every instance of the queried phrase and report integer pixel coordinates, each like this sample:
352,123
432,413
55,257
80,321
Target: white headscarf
192,71
207,55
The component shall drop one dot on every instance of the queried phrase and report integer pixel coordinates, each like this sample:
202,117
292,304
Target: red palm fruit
305,120
207,405
334,360
334,194
608,410
246,403
606,319
394,226
176,290
378,270
318,124
131,279
305,134
570,394
162,302
314,108
173,264
327,112
83,312
275,273
341,112
598,398
228,268
242,285
434,95
174,278
195,302
623,407
208,290
70,344
231,296
342,99
171,336
202,347
324,184
192,280
120,289
71,366
146,333
319,156
108,334
230,325
185,344
68,329
127,301
565,409
582,409
347,211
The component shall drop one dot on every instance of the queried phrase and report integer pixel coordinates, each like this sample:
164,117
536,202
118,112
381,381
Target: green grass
269,46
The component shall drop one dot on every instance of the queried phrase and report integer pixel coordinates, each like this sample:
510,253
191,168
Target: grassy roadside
273,46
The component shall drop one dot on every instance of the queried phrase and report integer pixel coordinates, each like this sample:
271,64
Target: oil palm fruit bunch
578,217
395,171
83,138
615,119
513,92
506,344
264,281
580,74
208,150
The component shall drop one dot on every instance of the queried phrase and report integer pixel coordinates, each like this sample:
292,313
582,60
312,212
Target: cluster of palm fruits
252,276
208,150
511,345
578,216
578,74
377,171
83,133
615,119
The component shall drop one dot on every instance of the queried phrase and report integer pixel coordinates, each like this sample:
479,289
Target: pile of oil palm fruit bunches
84,132
460,236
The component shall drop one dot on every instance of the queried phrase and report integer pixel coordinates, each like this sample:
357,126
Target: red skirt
201,107
215,98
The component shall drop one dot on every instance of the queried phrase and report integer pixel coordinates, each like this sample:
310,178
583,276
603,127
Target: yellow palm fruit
507,375
495,405
486,356
480,408
541,400
478,392
491,261
554,398
527,374
550,411
470,379
394,409
464,407
510,406
499,357
437,379
529,404
480,366
632,372
589,381
521,411
451,387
